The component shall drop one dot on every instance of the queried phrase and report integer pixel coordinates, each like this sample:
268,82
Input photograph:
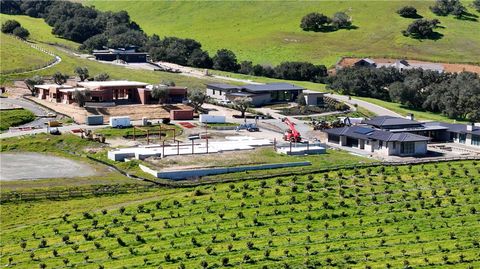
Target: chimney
410,116
470,126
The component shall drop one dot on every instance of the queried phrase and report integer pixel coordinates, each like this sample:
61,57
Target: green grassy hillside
39,30
268,31
422,216
15,54
42,36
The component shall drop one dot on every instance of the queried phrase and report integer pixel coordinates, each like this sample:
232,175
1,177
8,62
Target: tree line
456,95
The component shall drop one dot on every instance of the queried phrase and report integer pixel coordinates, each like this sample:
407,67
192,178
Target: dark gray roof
367,60
456,127
386,121
222,86
281,86
363,132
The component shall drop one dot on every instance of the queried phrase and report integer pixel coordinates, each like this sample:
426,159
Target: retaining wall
184,174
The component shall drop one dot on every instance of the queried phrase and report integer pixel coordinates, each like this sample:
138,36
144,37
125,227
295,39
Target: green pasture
403,110
268,32
16,54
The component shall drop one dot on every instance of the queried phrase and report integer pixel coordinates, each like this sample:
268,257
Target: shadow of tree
466,16
433,36
331,28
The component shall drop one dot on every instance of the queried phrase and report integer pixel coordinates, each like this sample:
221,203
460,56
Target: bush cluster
13,27
318,22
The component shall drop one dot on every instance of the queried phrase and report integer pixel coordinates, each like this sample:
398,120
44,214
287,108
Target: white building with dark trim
395,136
379,141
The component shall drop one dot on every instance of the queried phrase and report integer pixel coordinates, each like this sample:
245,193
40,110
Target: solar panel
363,130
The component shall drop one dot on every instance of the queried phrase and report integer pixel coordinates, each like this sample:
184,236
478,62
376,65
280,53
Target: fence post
163,149
193,147
290,147
178,147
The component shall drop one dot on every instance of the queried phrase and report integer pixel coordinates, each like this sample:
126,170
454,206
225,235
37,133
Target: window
380,144
462,138
407,148
213,91
476,140
394,145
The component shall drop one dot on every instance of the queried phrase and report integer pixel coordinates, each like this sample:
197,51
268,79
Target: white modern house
378,141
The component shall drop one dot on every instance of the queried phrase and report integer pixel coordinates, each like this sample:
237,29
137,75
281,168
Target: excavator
291,134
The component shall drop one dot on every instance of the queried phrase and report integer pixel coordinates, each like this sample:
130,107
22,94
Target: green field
16,54
39,30
268,32
401,109
12,118
385,217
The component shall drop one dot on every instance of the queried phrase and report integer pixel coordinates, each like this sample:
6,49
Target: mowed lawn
15,54
420,216
268,32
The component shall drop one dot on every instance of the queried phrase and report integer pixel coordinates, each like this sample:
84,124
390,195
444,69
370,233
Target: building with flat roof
129,55
263,94
112,92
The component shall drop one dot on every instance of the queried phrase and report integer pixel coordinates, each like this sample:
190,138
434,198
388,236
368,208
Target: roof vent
470,126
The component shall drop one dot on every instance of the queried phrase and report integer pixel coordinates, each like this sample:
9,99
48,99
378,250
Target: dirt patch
224,159
448,67
28,166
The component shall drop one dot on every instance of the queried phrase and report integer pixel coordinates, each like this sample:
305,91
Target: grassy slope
385,225
41,34
16,54
268,31
12,118
404,111
39,30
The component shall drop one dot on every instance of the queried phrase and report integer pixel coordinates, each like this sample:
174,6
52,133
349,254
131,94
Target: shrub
314,22
421,28
408,12
9,25
21,32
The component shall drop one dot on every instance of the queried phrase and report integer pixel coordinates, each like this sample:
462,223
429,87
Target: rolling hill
268,32
15,55
40,34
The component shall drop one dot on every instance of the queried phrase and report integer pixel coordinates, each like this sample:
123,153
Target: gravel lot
29,166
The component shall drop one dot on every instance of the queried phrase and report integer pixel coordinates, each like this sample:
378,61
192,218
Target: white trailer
205,118
120,122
